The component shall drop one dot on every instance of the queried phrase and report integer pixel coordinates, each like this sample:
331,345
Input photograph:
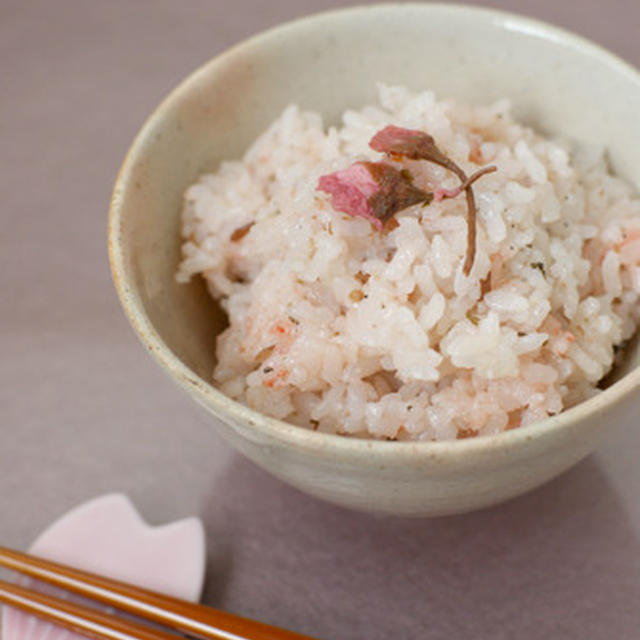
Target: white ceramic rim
343,446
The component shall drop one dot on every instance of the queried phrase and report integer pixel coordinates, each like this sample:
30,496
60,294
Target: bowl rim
319,442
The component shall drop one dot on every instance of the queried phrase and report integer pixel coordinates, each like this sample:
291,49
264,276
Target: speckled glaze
557,82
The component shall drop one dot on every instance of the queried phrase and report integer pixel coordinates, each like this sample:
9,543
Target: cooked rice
341,328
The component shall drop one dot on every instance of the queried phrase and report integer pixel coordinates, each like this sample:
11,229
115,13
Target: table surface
85,411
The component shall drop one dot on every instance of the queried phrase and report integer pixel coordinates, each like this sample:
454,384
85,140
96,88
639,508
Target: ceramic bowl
557,82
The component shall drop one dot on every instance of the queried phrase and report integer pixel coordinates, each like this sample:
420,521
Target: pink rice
339,327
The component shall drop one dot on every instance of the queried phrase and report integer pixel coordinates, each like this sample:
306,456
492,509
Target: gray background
85,411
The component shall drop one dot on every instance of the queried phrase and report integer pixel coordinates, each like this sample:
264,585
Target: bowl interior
557,83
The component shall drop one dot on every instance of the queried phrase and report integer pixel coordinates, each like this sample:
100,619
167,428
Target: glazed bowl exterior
557,82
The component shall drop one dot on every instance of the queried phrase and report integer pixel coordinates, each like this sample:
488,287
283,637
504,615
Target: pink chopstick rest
108,536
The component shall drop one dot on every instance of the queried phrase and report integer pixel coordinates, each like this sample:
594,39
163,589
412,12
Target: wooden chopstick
89,622
183,616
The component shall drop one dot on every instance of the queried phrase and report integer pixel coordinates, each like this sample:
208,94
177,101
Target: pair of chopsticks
182,616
